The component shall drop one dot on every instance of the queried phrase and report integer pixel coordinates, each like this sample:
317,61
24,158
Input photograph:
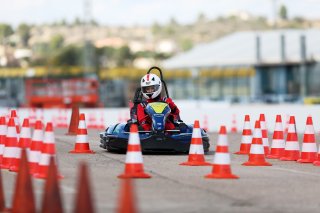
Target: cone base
316,163
305,161
82,152
134,175
192,163
289,158
44,176
273,156
248,163
221,176
241,153
71,133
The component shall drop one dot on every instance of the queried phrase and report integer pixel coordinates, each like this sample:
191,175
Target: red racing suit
144,119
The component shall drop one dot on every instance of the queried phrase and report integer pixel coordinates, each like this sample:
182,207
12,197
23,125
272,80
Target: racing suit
144,119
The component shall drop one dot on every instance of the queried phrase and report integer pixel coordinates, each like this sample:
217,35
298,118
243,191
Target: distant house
272,66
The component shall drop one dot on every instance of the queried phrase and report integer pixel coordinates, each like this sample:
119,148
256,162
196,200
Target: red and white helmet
151,86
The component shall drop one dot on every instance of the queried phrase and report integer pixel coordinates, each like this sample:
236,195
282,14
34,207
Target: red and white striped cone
3,133
82,144
11,146
256,155
246,137
264,131
292,147
101,125
24,143
317,162
221,168
205,123
278,143
134,160
196,151
287,124
92,121
48,150
234,124
16,121
32,117
309,146
35,147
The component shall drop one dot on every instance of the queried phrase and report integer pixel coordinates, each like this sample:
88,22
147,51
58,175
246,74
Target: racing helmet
151,86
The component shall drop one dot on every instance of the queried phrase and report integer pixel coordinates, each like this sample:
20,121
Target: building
269,66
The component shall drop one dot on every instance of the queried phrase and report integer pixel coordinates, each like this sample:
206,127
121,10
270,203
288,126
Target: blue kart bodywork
115,139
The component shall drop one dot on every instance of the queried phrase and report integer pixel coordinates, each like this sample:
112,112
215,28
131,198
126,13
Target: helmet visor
150,89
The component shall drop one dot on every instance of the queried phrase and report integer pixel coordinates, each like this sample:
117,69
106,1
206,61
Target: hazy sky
128,12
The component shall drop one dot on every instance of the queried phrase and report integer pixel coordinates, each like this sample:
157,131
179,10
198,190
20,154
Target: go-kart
115,138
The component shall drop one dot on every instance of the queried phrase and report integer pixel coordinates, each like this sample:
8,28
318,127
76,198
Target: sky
144,12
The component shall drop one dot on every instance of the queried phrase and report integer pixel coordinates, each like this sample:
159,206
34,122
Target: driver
151,88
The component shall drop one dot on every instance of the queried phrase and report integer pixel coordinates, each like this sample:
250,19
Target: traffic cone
317,162
24,142
292,148
256,155
74,121
234,124
52,202
35,147
134,161
16,121
264,131
221,163
287,124
196,152
246,137
127,201
83,201
2,197
32,116
82,144
11,146
23,198
3,133
278,143
48,150
309,146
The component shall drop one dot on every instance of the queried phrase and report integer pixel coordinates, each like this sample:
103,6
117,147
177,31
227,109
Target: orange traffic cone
196,152
3,133
317,162
74,121
32,116
35,147
23,198
52,201
48,150
278,144
264,131
10,149
82,144
16,121
256,155
246,137
134,161
83,201
24,142
127,201
234,124
309,146
292,148
2,198
221,163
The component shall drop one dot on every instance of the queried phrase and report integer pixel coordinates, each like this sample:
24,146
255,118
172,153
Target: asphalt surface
283,187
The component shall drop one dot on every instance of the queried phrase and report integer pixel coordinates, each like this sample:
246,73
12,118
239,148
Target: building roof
240,49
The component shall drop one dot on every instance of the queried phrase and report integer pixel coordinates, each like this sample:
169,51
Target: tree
283,13
68,56
24,33
156,28
56,42
5,31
